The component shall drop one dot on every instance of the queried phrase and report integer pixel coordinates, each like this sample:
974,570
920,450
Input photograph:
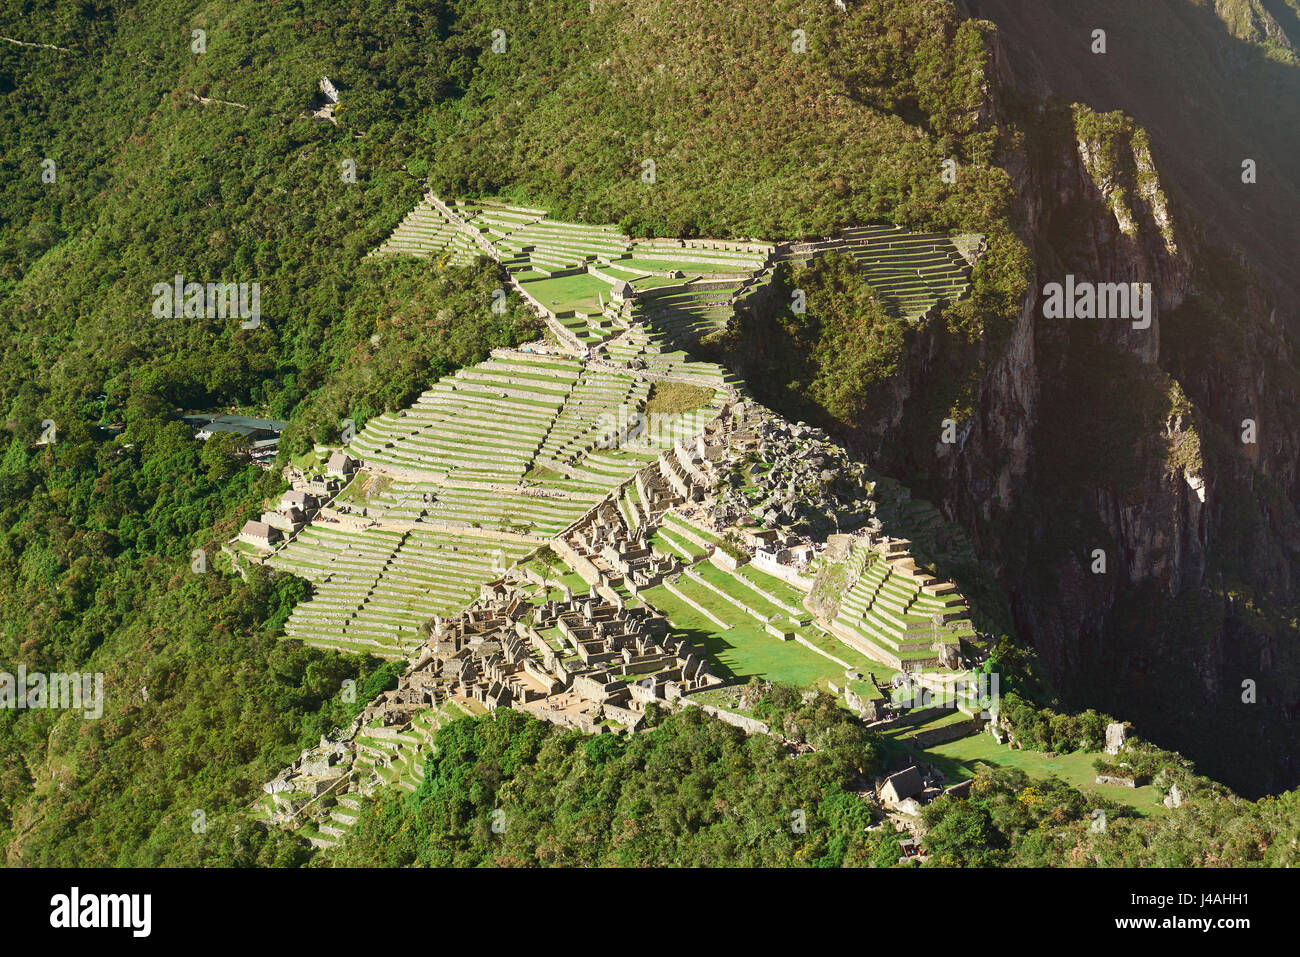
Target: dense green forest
508,790
97,530
1010,819
827,363
142,150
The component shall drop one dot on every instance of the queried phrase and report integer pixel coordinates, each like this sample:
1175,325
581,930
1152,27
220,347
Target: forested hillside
512,791
99,527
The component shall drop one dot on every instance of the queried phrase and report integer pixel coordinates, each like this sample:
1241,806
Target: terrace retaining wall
783,572
748,725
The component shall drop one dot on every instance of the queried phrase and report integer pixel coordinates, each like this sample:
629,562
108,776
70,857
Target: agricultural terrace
592,281
482,470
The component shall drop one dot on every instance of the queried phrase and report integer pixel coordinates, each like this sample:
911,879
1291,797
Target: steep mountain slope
1092,434
1209,82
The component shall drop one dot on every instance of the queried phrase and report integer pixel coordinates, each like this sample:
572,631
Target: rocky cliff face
1135,487
1130,478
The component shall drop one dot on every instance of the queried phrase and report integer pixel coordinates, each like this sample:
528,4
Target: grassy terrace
676,397
666,543
455,457
729,584
572,580
309,461
920,720
628,598
396,761
783,591
375,587
546,568
568,367
745,650
654,282
557,644
458,423
909,271
425,234
741,589
630,275
887,609
961,758
524,376
362,487
744,587
674,521
581,331
833,646
866,690
627,508
407,751
580,291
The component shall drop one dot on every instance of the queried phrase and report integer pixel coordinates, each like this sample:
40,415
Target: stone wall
588,572
1121,782
783,572
724,561
731,600
583,722
825,654
950,732
748,725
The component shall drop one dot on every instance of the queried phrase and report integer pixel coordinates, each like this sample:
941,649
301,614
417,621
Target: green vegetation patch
745,650
607,800
670,398
964,756
581,291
